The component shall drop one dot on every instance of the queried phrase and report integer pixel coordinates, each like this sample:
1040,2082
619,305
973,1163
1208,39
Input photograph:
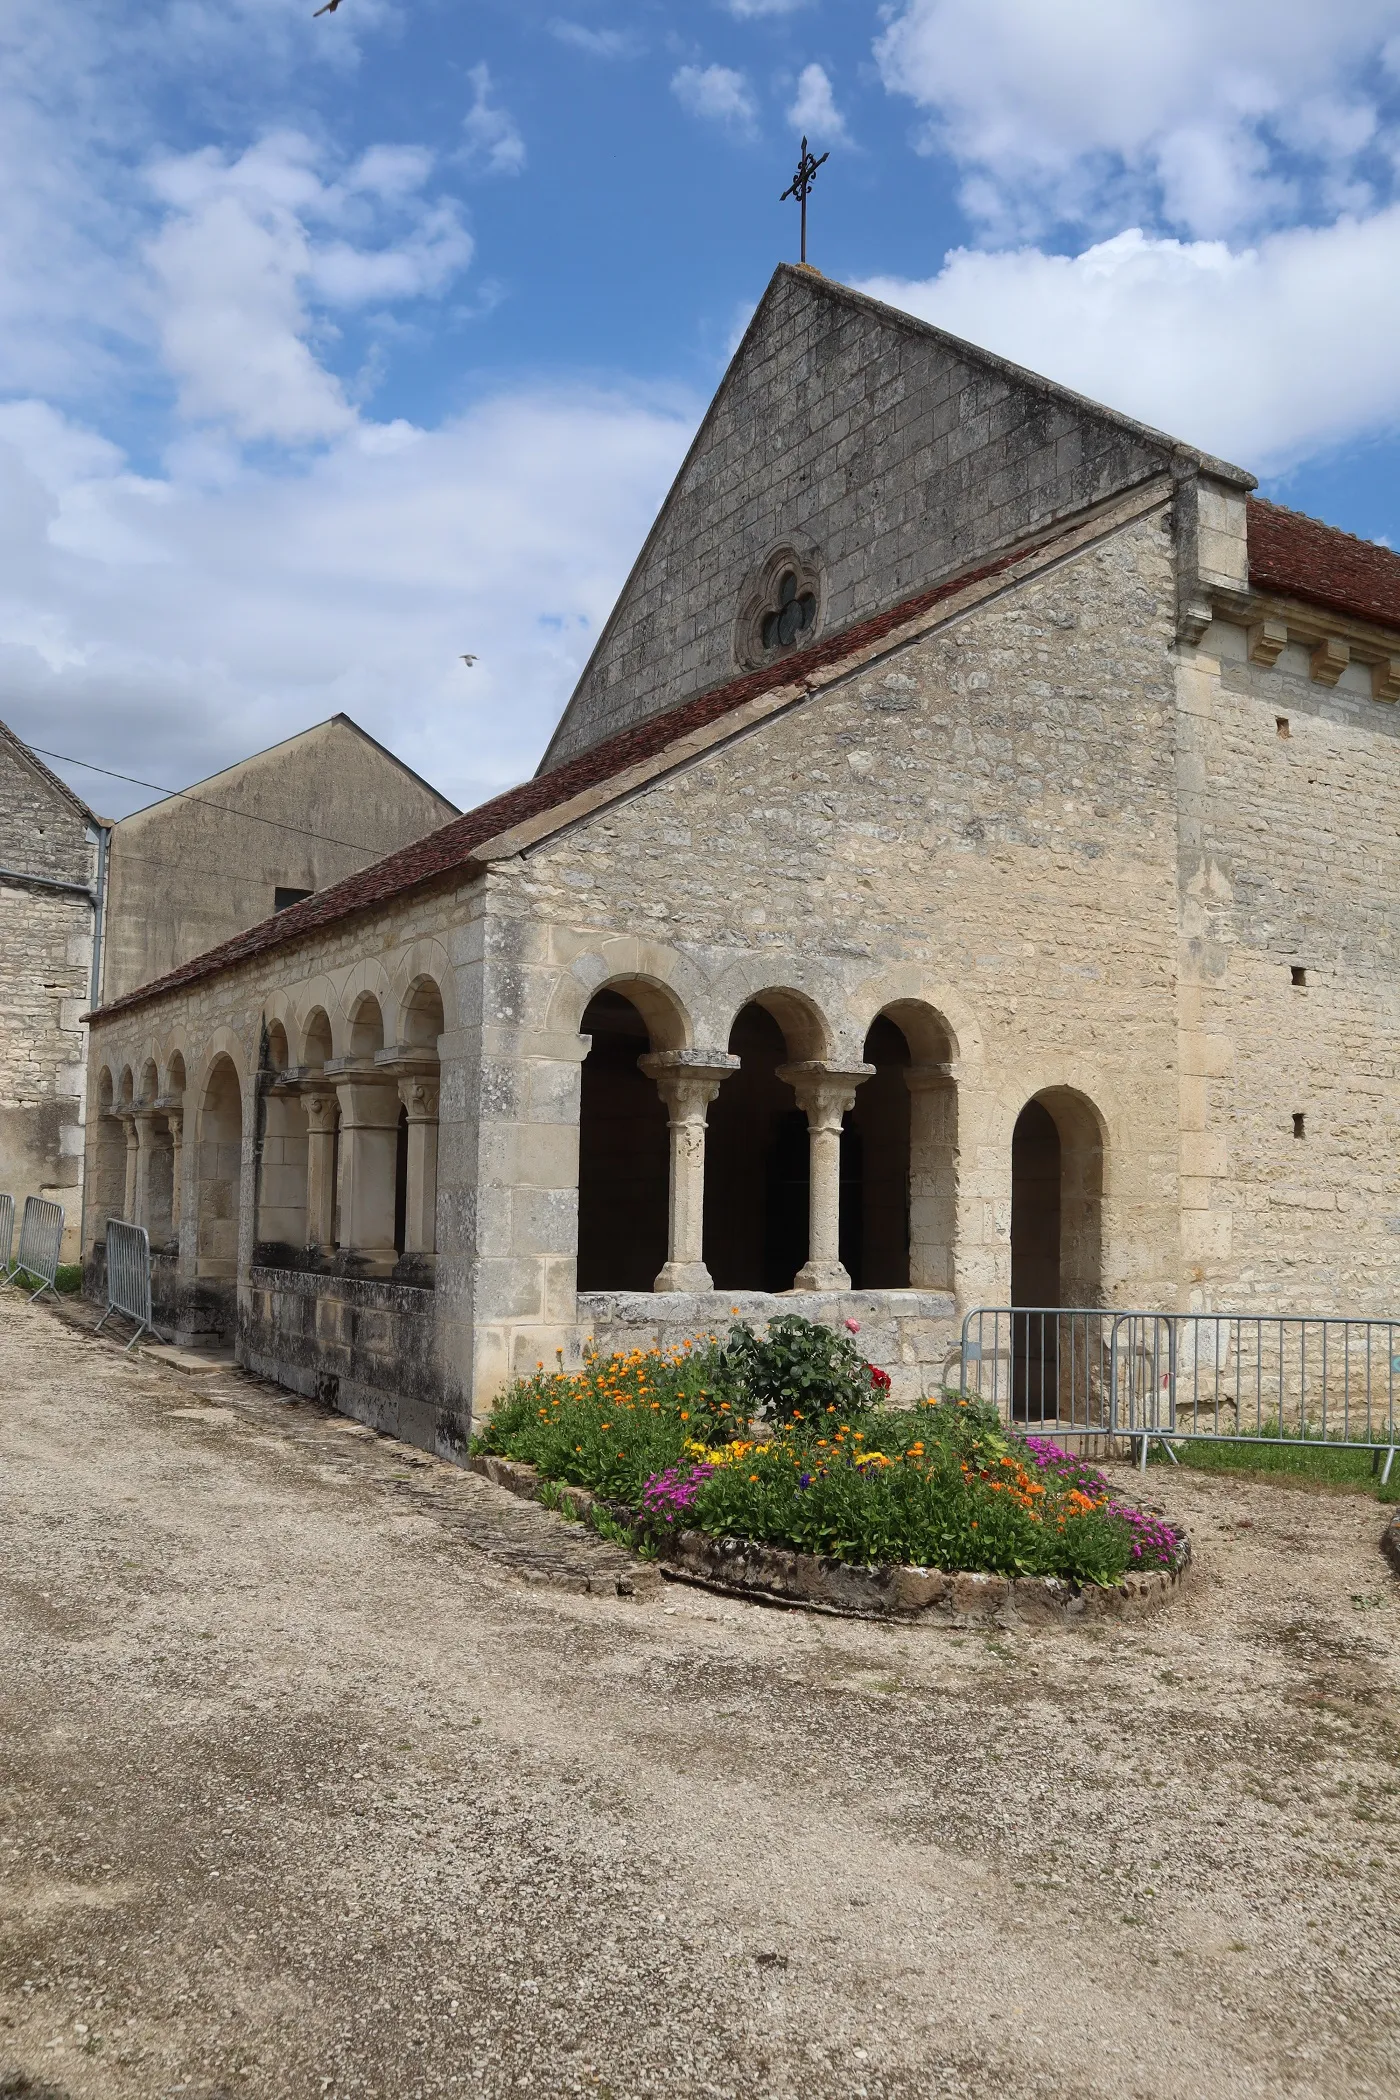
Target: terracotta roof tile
449,851
1302,558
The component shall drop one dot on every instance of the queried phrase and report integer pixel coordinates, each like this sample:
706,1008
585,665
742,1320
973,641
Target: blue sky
332,349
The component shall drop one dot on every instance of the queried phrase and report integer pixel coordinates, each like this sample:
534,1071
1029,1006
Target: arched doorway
1056,1236
757,1162
875,1166
623,1165
282,1168
220,1172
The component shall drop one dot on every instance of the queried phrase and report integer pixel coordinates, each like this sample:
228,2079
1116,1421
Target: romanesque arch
1057,1187
219,1171
109,1160
899,1154
282,1157
757,1166
623,1155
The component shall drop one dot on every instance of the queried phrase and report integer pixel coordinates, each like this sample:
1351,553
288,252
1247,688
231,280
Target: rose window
791,617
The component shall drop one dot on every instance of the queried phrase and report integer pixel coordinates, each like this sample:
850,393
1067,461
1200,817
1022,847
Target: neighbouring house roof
1299,557
60,787
449,851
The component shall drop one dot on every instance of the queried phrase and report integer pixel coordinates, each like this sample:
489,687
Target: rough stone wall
1295,863
45,968
194,870
986,822
358,1345
896,453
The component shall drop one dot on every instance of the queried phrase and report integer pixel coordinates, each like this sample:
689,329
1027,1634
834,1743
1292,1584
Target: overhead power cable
188,795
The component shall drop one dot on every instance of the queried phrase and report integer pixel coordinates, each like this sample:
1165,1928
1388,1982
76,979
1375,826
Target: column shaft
369,1142
687,1084
420,1099
825,1092
133,1144
320,1169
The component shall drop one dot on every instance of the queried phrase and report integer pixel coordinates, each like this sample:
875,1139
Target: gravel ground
315,1781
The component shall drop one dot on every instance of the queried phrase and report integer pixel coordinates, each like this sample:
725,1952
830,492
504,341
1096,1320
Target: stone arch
149,1086
664,989
126,1089
623,1162
365,1033
1058,1145
422,1015
425,959
757,1166
317,1040
219,1169
109,1157
174,1075
936,1019
368,981
276,1049
899,1169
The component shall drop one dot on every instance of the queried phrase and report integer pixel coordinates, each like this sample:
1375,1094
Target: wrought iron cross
802,182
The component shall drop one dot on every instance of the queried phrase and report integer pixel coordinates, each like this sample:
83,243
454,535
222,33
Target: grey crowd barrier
7,1235
128,1277
40,1244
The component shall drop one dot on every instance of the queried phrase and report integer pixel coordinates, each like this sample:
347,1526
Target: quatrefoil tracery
790,618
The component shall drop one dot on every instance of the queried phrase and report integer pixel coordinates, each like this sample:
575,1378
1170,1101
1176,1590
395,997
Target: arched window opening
109,1166
422,1021
875,1166
623,1169
282,1178
275,1053
757,1170
220,1171
366,1027
316,1050
1056,1235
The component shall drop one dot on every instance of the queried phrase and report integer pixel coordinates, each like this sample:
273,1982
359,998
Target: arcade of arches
768,1168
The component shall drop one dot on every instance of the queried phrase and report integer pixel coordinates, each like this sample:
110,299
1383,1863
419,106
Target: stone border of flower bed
1390,1541
778,1575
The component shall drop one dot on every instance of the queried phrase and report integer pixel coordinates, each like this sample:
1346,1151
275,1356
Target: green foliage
942,1485
795,1373
1303,1462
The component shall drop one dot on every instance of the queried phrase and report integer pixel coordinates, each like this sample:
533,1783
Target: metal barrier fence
128,1277
40,1244
1167,1378
7,1235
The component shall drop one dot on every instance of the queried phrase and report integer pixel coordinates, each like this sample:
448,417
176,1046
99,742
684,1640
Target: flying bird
467,660
329,9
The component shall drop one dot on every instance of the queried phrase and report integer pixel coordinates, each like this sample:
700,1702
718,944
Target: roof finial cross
802,182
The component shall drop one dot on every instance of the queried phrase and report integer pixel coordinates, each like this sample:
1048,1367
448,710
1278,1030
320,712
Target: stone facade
1015,875
48,877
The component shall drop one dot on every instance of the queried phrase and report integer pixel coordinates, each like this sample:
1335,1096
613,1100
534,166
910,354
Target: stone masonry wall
985,823
45,969
1299,866
893,451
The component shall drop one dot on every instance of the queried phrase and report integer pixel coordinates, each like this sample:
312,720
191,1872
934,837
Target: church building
963,876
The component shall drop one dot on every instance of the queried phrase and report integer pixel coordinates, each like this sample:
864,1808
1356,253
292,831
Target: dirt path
307,1788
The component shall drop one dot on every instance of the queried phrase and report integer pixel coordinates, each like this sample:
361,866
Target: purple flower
670,1495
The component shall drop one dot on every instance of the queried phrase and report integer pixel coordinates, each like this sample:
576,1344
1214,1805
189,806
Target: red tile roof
449,851
1301,558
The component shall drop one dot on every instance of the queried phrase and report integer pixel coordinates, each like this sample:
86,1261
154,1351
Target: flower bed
787,1446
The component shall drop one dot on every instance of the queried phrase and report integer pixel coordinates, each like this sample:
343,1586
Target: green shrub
796,1372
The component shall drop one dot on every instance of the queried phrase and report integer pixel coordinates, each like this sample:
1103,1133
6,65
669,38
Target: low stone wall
184,1312
907,1333
364,1347
778,1575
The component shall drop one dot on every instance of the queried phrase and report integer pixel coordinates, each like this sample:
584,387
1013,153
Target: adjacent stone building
963,876
90,910
50,860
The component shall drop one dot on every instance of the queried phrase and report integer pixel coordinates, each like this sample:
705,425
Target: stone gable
883,452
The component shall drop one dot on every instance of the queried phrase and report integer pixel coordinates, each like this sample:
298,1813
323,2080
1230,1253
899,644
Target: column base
817,1276
684,1276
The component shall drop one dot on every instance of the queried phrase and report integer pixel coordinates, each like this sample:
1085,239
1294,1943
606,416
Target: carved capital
321,1109
688,1080
826,1092
420,1098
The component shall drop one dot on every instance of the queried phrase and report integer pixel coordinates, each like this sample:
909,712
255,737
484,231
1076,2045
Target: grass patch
1307,1463
784,1440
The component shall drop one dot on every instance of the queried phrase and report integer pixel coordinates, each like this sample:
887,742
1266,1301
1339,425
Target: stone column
369,1141
687,1082
320,1168
420,1098
175,1124
143,1125
133,1155
825,1092
933,1175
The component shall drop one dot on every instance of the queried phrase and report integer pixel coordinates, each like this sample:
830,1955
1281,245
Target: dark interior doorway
1035,1260
624,1161
757,1172
875,1167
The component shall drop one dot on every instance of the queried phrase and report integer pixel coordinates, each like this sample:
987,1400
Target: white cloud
248,245
1215,115
166,625
1264,355
717,93
747,10
598,43
493,142
814,108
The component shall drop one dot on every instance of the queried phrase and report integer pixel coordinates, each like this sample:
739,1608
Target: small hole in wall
1300,1128
1281,725
1298,974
